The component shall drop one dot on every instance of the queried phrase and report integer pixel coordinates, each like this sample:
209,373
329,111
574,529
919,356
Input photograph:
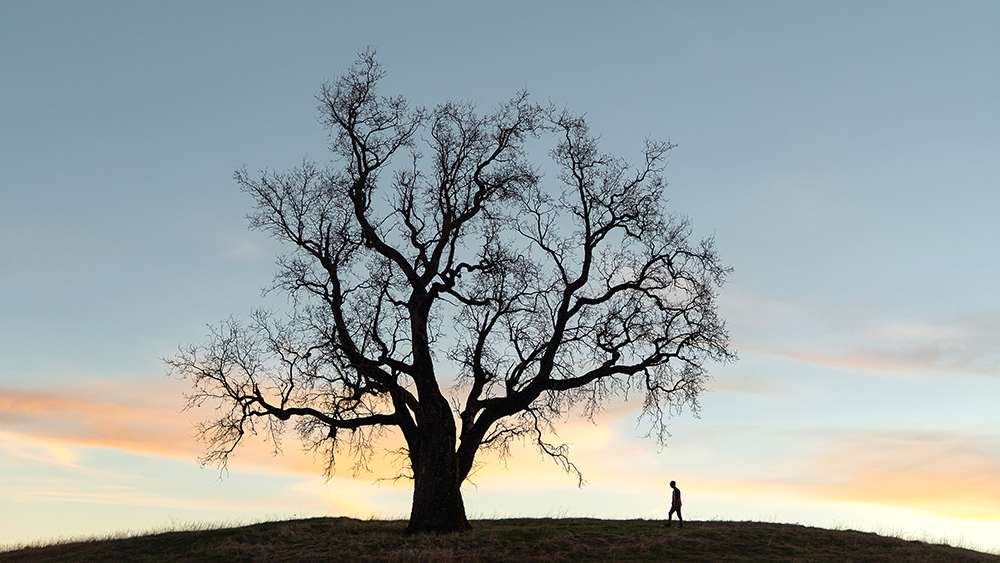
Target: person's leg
670,515
679,517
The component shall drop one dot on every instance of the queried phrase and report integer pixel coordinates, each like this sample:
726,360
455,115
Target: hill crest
544,539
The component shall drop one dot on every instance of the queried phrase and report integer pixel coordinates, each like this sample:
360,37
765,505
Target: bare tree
558,295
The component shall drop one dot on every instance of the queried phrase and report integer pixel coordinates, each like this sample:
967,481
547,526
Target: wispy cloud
131,418
951,474
947,473
967,345
857,338
743,384
37,450
51,426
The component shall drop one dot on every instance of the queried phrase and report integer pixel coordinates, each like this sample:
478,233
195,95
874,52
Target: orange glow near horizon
948,476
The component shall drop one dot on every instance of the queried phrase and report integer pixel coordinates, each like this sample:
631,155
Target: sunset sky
843,154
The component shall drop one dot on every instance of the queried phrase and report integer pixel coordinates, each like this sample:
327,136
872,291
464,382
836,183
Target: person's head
673,484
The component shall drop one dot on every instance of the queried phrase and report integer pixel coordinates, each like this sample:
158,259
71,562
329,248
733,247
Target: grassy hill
550,540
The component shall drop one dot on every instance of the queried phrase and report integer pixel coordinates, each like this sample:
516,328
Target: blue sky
843,154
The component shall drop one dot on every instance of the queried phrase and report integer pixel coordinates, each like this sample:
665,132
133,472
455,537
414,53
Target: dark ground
550,540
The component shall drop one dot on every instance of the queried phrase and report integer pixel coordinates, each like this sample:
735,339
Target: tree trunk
437,493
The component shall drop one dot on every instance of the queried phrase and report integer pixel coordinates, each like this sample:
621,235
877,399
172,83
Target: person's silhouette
675,505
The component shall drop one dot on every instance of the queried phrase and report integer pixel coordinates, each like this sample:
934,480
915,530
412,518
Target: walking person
675,505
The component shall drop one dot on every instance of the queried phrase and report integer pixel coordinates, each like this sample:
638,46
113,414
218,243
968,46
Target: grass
549,540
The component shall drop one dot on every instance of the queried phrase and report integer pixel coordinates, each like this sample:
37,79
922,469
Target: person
675,505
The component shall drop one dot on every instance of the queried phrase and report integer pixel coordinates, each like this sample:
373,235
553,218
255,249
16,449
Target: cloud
859,339
968,345
53,426
37,450
949,474
118,496
743,384
99,416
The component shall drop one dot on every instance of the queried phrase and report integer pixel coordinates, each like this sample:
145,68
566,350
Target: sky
843,155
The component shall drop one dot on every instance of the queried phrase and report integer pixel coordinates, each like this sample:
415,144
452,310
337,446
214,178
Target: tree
559,294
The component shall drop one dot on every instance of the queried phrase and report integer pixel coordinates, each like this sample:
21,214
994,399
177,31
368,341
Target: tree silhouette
443,288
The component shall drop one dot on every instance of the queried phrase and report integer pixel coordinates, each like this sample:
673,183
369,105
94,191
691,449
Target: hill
550,540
